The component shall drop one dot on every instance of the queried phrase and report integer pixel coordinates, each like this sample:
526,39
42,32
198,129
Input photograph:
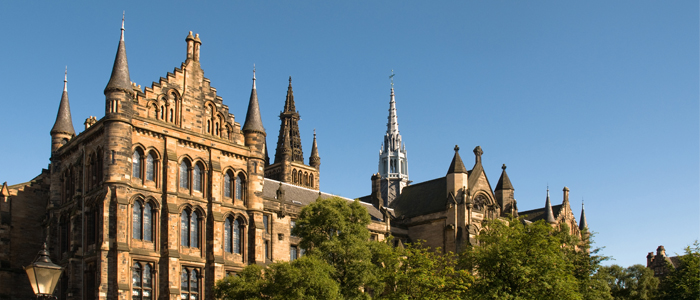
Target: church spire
549,215
314,159
289,127
583,224
253,121
120,79
504,181
64,121
457,166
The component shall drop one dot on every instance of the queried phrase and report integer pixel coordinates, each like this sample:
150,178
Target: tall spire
314,159
583,224
253,121
549,215
457,166
392,155
120,79
392,126
64,121
289,127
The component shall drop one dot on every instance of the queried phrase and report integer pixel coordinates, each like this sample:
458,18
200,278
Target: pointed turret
549,215
314,159
253,121
457,166
289,101
120,79
583,224
290,127
504,181
62,130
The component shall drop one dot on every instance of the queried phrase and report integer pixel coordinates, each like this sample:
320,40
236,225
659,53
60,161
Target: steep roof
504,181
305,196
539,213
457,166
253,120
120,79
583,223
422,198
64,121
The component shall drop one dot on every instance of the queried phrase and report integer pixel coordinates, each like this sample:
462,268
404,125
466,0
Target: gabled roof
304,196
422,198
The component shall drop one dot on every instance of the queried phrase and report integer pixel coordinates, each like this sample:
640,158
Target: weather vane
392,78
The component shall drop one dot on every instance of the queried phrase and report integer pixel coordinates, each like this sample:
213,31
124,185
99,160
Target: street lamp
43,275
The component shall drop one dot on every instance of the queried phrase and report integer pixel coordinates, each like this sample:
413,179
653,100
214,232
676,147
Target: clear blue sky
599,96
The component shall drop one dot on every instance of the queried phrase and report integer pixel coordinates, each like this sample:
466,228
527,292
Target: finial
314,132
65,80
123,13
456,148
503,167
253,76
290,79
392,79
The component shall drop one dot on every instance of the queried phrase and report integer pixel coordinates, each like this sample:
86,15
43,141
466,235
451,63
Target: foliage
417,272
635,282
518,261
304,278
684,281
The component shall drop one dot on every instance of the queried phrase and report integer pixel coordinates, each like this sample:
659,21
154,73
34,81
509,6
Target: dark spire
64,122
583,224
504,181
314,159
253,121
289,128
120,79
457,166
549,215
289,102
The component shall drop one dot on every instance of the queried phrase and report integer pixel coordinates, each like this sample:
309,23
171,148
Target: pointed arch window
232,235
184,174
311,180
197,178
150,167
142,281
142,221
136,164
239,186
228,185
189,228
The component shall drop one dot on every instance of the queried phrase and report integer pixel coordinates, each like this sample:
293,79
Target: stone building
660,263
168,193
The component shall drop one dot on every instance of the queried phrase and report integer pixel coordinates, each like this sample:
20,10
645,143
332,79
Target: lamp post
43,275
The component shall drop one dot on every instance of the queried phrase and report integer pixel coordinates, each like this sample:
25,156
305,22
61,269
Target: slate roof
304,196
253,121
457,166
64,121
539,214
120,79
421,198
504,181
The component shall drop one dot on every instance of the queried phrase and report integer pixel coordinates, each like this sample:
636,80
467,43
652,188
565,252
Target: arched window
240,186
237,237
184,175
228,231
311,180
136,164
228,185
143,221
232,235
189,228
197,178
142,281
150,167
294,176
162,112
189,284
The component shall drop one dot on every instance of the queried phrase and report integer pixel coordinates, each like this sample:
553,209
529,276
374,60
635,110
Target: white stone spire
393,163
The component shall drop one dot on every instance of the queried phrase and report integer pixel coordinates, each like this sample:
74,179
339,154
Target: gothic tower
62,130
289,164
393,164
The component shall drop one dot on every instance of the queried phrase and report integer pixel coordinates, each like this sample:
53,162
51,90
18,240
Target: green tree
304,278
684,281
636,282
518,261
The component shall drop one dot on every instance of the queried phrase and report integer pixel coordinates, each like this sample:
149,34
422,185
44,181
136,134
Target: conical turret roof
504,181
64,121
253,120
457,166
120,79
583,224
314,147
549,215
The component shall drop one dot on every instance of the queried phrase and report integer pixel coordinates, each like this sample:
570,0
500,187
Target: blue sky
598,96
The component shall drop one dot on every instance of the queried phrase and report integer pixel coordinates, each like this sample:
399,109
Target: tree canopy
683,282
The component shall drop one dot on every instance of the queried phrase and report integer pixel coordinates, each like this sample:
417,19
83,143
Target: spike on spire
253,120
549,215
64,121
122,37
120,80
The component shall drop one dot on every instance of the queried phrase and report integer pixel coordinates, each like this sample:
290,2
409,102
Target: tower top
549,215
583,224
64,121
504,182
120,80
457,166
253,120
